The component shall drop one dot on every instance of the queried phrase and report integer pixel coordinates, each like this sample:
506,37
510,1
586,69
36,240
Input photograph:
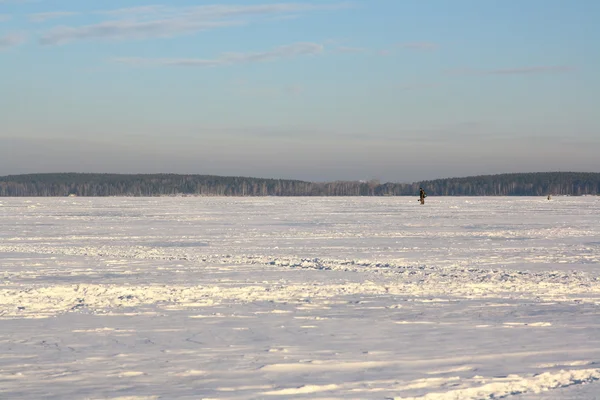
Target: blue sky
316,90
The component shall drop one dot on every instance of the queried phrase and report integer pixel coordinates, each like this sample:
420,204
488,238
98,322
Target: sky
399,91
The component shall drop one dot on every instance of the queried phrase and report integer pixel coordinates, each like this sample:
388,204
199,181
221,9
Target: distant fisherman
422,195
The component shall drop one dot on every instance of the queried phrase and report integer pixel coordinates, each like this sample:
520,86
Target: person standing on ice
422,195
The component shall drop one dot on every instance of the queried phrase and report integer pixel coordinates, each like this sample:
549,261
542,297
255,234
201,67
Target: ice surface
308,298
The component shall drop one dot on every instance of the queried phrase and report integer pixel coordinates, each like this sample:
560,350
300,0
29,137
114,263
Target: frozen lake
303,298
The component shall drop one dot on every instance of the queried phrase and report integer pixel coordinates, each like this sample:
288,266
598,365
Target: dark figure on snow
422,195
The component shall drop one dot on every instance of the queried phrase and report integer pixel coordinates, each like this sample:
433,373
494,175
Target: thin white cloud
122,30
248,89
350,49
5,17
224,11
161,21
419,46
533,70
45,16
282,52
418,86
11,40
542,69
141,10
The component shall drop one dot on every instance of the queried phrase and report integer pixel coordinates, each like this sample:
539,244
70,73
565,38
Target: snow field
330,298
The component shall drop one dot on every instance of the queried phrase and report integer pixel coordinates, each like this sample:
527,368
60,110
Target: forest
80,184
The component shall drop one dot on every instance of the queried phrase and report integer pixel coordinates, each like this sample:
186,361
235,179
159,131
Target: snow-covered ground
308,298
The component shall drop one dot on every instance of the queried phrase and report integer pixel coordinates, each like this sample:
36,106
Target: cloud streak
11,40
351,50
282,52
418,46
532,70
123,30
139,11
223,11
418,86
415,46
160,21
244,88
45,16
535,70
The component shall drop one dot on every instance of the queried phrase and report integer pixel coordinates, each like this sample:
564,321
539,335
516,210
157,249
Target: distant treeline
520,184
65,184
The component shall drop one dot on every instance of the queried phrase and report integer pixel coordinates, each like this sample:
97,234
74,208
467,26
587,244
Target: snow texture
300,298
